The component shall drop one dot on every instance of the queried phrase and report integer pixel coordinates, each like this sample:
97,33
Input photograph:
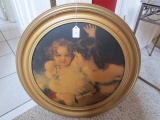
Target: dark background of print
109,43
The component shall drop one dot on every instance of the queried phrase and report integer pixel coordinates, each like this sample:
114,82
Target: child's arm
90,88
90,30
50,69
85,85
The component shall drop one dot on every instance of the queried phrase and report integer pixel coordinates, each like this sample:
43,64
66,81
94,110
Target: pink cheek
58,60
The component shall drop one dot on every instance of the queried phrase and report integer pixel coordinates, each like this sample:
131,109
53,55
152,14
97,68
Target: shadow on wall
53,3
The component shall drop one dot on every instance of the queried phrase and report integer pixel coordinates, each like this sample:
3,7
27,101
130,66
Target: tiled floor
13,98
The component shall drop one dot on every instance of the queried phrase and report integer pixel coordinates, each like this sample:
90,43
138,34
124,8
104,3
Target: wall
2,12
26,10
129,11
9,10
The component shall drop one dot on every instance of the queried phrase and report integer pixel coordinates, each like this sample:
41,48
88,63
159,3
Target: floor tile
7,65
9,26
1,37
4,48
19,110
3,21
14,43
15,53
12,93
11,34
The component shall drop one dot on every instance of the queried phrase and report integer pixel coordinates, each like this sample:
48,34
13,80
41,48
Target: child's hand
90,30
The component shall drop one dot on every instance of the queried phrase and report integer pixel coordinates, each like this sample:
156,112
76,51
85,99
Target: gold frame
87,13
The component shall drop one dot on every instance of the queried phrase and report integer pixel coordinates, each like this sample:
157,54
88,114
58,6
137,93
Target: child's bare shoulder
116,70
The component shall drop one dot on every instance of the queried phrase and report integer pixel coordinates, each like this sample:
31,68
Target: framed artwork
78,60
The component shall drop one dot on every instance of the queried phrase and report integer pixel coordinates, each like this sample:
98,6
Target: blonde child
66,80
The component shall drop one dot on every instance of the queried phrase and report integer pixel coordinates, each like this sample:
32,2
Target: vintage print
78,68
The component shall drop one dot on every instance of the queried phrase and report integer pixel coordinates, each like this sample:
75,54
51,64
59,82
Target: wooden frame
116,42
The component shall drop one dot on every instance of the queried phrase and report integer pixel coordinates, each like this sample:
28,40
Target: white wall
130,10
26,10
2,12
9,10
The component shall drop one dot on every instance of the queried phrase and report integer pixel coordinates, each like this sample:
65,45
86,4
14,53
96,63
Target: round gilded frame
64,17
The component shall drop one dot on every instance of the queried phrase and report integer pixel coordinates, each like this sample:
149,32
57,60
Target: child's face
79,60
62,57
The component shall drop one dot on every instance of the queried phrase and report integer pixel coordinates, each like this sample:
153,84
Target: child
105,77
61,54
66,79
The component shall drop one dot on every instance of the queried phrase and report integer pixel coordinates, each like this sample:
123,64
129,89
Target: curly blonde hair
52,49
